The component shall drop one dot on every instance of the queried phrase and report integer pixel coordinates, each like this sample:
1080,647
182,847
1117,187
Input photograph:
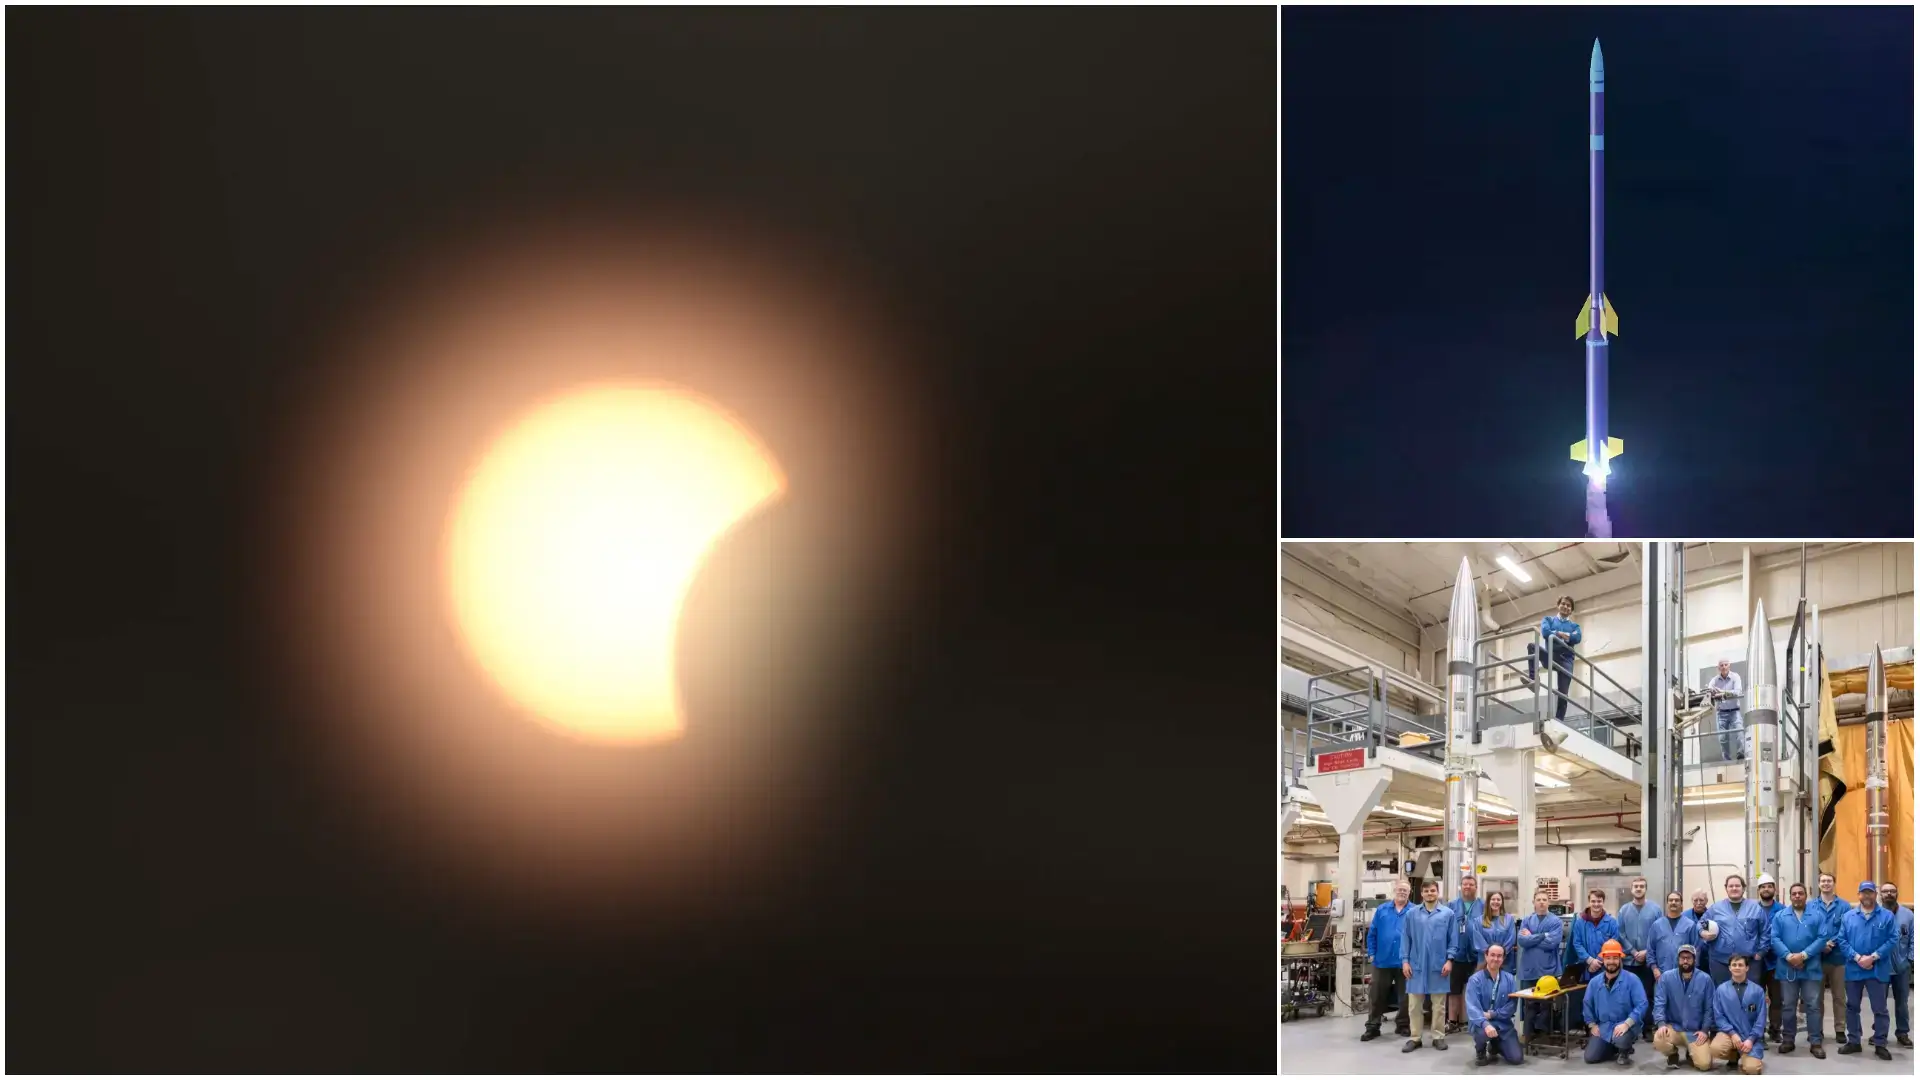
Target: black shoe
1412,1045
1673,1062
1370,1034
1482,1059
1625,1061
1905,1040
1787,1047
1818,1051
1440,1043
1850,1048
1883,1053
1734,1065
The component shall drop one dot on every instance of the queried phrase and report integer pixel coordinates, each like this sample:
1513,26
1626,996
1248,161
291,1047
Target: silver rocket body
1462,776
1761,709
1877,823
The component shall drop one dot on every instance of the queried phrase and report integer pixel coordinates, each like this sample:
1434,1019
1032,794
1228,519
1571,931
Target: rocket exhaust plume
1462,776
1597,317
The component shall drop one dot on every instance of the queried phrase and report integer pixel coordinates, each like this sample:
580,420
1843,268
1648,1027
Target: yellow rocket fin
1609,319
1614,449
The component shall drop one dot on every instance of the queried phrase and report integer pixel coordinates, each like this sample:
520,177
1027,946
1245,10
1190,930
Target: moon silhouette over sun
574,540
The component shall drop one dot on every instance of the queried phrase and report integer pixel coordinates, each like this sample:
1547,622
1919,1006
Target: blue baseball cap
1868,886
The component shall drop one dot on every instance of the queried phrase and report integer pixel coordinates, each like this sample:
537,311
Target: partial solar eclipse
577,536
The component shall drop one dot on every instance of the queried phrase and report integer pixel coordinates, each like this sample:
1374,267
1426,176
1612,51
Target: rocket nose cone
1463,613
1876,682
1760,664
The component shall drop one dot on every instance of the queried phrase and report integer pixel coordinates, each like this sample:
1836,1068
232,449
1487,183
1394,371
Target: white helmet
1708,928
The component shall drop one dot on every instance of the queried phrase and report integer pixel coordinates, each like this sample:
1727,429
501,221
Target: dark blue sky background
1434,255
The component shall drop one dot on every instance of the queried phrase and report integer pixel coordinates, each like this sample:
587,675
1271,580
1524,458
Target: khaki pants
1833,982
1417,1006
1668,1041
1726,1049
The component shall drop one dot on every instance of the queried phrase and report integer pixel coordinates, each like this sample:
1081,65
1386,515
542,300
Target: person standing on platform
1615,1008
1740,1018
1592,930
1869,937
1799,933
1739,929
1636,926
1426,943
1490,1007
1683,1010
1762,969
1726,688
1833,959
1538,939
1389,988
1902,962
1560,634
1467,908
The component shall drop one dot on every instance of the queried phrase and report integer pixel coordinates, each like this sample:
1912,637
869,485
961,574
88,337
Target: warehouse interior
1378,713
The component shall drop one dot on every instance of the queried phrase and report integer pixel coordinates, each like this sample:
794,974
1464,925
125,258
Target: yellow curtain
1845,846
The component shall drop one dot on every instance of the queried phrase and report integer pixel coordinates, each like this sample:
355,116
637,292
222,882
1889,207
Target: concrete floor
1331,1046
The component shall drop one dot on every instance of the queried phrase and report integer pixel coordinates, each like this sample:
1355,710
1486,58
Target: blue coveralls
1798,932
1686,1005
1383,948
1501,933
1607,1005
1426,939
1902,970
1740,1012
1562,657
1664,938
1832,960
1488,1002
1539,955
1636,926
1874,936
1589,938
1467,915
1743,931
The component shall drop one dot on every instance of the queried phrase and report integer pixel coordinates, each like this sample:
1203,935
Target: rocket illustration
1597,318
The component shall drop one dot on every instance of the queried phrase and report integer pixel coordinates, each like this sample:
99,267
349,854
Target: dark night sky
1759,202
1060,853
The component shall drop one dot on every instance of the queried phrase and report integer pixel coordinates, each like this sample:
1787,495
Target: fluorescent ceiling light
1546,779
1714,802
1409,814
1418,809
1513,568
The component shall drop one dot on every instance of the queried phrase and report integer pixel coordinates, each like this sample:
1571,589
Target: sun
574,540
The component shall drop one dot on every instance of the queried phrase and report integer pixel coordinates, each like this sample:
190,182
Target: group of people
1710,983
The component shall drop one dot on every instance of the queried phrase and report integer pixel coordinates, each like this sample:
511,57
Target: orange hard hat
1612,948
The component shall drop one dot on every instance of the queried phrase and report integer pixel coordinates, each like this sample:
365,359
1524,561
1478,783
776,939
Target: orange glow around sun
575,539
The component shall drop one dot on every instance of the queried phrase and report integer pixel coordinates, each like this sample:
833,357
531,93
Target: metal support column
1663,598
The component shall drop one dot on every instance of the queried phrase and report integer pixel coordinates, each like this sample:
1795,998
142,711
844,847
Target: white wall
1321,604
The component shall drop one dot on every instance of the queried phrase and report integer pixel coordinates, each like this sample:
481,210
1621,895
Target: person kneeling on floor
1615,1008
1740,1014
1490,1006
1683,1011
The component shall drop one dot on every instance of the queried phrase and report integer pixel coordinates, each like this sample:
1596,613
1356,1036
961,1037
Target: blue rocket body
1597,318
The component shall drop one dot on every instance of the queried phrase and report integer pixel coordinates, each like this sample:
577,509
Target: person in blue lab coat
1902,962
1559,634
1383,949
1615,1008
1636,924
1426,947
1683,1010
1468,907
1833,959
1669,930
1496,927
1592,929
1538,938
1799,934
1869,936
1761,971
1739,929
1490,1007
1740,1015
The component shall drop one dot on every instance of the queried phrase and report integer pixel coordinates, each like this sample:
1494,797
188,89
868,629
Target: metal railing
1349,709
1611,718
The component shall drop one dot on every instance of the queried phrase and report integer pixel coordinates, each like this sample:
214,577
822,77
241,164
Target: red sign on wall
1342,760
